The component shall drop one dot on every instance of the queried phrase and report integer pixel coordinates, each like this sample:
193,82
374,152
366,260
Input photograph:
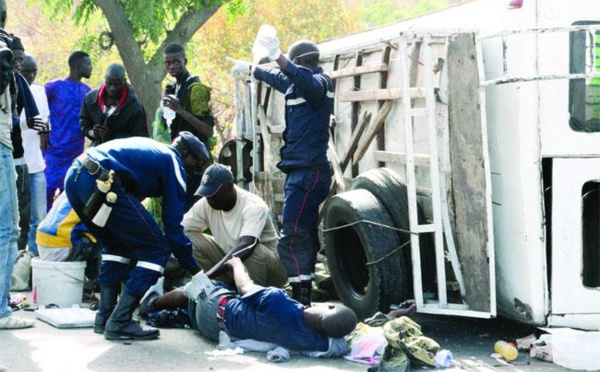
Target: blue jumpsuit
308,107
136,249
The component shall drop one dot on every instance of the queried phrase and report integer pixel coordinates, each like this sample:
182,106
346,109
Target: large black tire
388,187
367,269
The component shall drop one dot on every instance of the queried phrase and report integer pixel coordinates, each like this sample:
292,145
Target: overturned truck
466,154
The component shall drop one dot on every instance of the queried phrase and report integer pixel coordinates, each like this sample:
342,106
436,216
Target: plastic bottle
506,350
258,51
102,216
168,115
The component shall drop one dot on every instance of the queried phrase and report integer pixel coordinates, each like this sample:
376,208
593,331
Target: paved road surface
48,349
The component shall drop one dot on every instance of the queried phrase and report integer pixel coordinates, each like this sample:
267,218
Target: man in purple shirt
65,97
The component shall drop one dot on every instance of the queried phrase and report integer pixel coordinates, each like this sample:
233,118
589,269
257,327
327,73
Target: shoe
541,352
12,322
302,292
121,326
525,343
108,301
150,296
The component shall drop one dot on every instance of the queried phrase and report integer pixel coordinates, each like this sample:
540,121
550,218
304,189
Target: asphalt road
44,348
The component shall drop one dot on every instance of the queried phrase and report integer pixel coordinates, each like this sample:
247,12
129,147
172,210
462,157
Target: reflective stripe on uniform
150,266
115,258
299,101
298,279
178,174
295,101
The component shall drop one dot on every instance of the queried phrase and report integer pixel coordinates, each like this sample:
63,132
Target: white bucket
59,283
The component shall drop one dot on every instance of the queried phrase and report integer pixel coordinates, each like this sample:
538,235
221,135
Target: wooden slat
379,67
338,174
469,185
380,94
266,138
356,135
373,130
421,160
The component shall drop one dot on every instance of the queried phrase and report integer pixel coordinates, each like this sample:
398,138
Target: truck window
584,94
590,215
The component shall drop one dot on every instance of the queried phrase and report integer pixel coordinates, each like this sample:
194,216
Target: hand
41,125
171,101
100,131
234,261
240,69
270,43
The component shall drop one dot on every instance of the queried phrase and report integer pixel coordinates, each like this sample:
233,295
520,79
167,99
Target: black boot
121,326
108,300
302,292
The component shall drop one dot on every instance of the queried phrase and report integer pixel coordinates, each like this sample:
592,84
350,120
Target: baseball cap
195,145
214,177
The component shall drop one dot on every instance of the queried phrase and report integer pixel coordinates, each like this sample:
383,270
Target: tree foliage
135,31
232,33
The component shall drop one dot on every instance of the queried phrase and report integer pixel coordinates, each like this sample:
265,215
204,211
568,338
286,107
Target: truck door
575,237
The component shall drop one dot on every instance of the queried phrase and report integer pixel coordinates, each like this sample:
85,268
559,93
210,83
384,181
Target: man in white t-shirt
240,226
33,152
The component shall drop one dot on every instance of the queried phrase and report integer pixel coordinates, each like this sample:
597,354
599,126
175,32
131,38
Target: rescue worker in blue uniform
308,107
136,249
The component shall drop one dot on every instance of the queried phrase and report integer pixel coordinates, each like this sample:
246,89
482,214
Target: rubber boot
108,300
121,326
302,292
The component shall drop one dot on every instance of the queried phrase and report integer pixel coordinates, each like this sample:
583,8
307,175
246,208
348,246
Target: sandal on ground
541,352
524,343
12,322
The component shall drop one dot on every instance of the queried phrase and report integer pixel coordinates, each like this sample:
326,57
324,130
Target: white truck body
536,173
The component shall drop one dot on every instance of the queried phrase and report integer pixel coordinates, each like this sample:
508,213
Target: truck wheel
388,187
367,268
228,156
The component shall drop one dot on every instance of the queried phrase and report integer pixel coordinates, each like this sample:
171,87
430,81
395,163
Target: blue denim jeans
9,225
37,182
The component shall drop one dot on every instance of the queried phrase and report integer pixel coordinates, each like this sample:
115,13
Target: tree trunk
146,78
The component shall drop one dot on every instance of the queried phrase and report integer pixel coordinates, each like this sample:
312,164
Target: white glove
271,44
240,68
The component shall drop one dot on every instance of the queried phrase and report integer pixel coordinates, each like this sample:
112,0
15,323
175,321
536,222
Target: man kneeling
264,314
239,222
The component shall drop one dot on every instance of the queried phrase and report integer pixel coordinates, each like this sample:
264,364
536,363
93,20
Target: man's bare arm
242,280
243,250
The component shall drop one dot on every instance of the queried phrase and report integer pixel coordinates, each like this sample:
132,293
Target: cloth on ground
366,344
278,354
403,344
21,275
